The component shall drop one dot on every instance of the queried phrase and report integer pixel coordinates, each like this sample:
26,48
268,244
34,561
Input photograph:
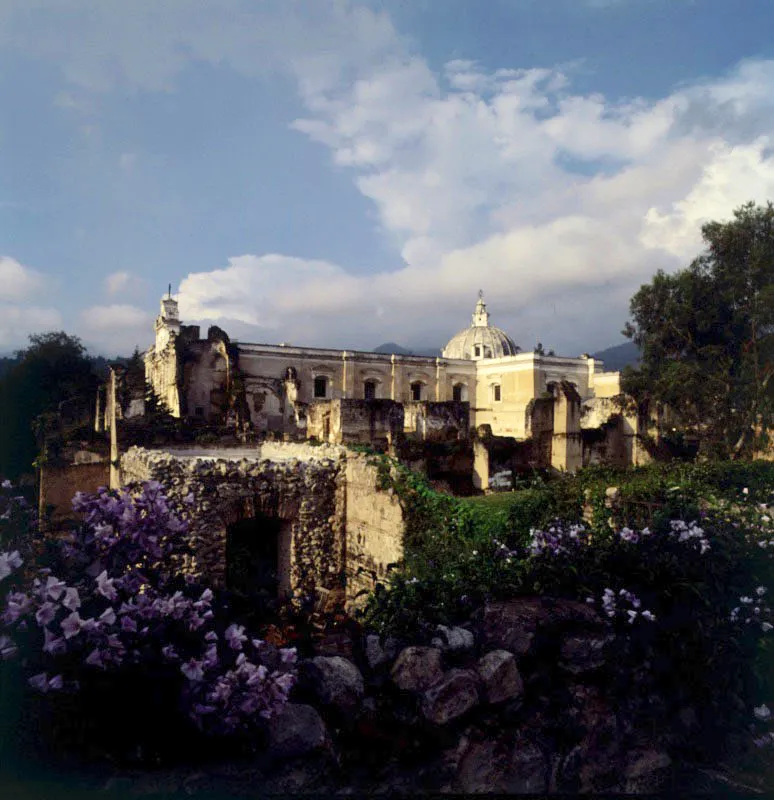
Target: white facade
268,386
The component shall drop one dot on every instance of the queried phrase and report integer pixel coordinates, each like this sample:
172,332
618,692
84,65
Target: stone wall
59,484
338,528
374,529
309,496
437,421
378,422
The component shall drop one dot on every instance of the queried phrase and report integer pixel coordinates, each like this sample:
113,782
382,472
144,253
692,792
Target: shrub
115,619
686,595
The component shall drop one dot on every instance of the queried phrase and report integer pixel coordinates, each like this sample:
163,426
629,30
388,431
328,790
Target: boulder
455,640
480,769
417,669
335,644
454,695
297,731
497,766
336,682
528,770
513,624
374,652
647,771
580,653
500,676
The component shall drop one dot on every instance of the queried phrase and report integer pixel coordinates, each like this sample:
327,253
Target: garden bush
130,653
687,594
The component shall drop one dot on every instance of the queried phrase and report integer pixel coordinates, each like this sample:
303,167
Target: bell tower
168,321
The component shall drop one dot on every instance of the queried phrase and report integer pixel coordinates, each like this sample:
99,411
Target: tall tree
706,334
53,374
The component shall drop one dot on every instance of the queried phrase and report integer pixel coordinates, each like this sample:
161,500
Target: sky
341,173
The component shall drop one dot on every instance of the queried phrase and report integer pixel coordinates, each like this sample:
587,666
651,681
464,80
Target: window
416,391
320,386
496,392
477,351
458,392
369,390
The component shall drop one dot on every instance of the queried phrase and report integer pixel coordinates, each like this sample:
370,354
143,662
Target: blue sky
342,173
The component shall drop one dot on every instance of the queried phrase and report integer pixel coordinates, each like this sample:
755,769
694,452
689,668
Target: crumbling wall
437,421
374,529
605,444
342,530
378,422
308,495
539,427
60,483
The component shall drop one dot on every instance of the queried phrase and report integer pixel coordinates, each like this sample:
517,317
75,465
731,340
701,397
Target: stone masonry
338,530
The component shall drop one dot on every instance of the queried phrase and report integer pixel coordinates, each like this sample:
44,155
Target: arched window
416,390
369,390
320,387
496,392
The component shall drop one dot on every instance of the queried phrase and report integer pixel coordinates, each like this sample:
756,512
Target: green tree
706,335
53,377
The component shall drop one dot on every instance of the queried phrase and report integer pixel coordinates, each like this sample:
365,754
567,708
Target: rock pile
514,702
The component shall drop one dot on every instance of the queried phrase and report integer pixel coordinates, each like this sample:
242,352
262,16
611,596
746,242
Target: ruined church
482,382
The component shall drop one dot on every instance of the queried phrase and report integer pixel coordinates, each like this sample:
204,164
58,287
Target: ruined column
566,443
98,421
115,473
480,465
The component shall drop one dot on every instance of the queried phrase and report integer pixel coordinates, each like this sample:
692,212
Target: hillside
619,356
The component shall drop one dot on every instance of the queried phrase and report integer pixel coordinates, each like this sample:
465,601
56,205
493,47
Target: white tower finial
481,315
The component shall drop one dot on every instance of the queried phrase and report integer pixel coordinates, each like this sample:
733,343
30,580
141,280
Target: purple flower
107,617
71,599
19,605
128,624
8,563
45,614
170,653
71,625
52,644
105,586
235,635
8,648
41,682
54,588
288,655
192,670
95,658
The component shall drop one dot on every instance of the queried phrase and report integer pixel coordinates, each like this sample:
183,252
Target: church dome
481,340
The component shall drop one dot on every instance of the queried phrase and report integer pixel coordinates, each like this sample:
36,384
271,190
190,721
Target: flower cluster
613,605
556,540
125,607
633,537
685,532
753,610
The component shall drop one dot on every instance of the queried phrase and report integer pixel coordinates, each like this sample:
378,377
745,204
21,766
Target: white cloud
18,282
115,317
509,182
115,329
506,180
123,283
17,322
